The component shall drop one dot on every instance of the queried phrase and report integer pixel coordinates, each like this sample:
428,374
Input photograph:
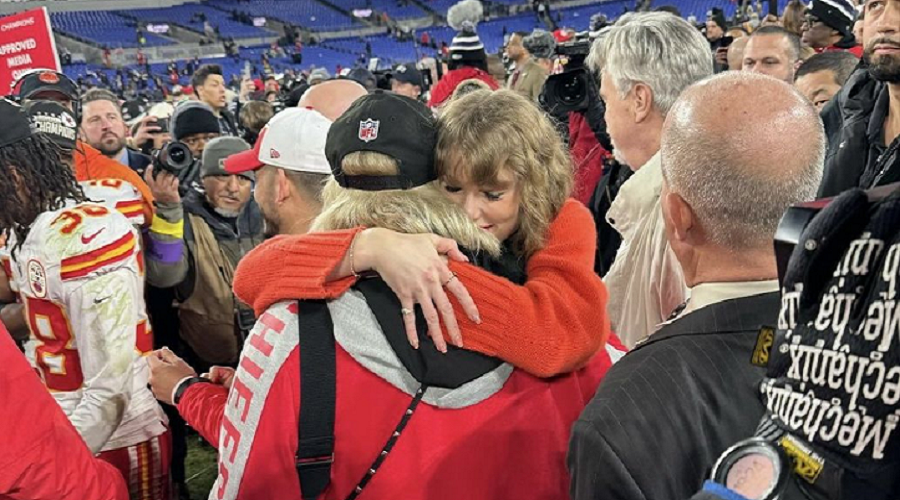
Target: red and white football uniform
118,194
79,277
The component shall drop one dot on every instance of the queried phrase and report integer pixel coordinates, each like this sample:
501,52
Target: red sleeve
302,263
563,295
202,406
588,155
557,320
41,454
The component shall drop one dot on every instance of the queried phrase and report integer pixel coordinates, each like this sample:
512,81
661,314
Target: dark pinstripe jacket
668,409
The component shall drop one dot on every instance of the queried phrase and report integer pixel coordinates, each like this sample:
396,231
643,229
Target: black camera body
797,217
570,90
175,158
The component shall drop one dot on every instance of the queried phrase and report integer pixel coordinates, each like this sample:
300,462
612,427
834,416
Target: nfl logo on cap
368,130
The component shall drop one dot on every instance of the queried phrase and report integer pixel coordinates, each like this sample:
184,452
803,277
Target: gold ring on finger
451,278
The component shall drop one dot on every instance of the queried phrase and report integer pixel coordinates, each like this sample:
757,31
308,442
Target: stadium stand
115,29
103,28
184,15
307,14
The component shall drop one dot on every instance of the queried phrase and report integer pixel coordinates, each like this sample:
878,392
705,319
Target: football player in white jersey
76,268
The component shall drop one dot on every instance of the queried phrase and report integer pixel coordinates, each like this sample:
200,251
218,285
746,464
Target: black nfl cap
44,80
390,124
54,121
16,126
407,73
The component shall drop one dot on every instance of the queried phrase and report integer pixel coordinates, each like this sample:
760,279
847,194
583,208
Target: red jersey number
74,216
57,359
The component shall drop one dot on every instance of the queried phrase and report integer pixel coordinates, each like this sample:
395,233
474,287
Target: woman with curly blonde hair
541,308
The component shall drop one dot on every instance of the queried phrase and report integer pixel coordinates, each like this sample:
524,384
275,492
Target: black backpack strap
318,372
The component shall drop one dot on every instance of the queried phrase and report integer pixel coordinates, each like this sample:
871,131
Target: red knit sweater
551,325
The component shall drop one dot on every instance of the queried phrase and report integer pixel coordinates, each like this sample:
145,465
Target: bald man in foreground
679,399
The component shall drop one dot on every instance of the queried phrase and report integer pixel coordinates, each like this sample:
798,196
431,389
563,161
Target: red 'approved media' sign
26,42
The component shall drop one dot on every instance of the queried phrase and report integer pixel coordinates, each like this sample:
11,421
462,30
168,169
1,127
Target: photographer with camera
194,246
193,124
571,97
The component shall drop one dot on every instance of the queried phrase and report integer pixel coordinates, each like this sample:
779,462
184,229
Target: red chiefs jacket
41,454
503,435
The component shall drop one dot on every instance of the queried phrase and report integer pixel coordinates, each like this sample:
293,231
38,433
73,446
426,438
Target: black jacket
854,124
608,239
670,407
138,161
227,124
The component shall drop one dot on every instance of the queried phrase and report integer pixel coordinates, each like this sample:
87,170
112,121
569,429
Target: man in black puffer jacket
863,144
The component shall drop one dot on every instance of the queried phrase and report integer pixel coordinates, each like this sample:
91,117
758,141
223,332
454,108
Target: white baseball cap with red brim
293,140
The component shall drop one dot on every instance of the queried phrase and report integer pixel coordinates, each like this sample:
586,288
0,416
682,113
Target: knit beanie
838,14
466,48
193,117
717,16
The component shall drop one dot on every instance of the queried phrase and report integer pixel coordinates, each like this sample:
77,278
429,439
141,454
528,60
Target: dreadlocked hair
33,180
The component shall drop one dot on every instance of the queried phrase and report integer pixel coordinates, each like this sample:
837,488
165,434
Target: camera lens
571,90
177,155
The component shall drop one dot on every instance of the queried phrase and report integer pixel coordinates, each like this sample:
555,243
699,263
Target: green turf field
200,467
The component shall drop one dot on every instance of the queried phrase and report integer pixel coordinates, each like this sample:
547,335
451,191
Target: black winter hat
194,119
838,14
717,16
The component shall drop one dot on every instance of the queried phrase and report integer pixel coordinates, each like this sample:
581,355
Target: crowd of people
454,281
